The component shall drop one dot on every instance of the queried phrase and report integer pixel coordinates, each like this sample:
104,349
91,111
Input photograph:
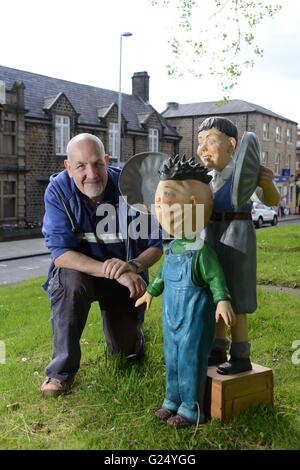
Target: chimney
172,105
140,85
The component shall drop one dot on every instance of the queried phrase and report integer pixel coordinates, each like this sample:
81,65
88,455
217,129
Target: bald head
88,139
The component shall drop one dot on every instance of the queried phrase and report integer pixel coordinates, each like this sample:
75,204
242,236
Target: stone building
277,135
38,116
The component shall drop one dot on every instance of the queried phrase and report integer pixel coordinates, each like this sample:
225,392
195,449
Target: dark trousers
71,294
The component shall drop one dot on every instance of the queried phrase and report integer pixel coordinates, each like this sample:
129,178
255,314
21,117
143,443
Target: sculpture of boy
193,282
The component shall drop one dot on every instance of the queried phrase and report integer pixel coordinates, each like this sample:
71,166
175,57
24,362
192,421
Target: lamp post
120,99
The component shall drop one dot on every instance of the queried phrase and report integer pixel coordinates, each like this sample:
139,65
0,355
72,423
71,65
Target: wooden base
227,395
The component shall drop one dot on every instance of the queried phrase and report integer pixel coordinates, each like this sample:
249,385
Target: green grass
278,255
111,404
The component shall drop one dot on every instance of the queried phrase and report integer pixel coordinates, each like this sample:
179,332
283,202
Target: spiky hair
179,168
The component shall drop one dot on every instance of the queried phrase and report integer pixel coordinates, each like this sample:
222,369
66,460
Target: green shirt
206,270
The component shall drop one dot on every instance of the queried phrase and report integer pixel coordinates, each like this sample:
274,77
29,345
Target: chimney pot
172,105
140,85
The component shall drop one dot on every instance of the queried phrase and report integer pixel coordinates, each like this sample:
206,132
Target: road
283,221
19,270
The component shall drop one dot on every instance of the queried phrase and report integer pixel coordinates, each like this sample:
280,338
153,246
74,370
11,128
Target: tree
216,37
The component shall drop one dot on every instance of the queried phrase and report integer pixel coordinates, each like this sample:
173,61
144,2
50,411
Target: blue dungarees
188,329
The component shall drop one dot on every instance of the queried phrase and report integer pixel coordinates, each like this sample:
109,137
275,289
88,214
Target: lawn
278,255
111,404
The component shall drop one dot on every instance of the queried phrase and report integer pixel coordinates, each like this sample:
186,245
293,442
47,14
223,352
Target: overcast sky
79,41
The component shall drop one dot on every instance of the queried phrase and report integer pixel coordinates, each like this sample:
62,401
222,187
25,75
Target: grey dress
234,241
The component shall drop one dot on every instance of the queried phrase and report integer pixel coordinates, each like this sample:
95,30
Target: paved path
19,270
23,259
280,289
22,249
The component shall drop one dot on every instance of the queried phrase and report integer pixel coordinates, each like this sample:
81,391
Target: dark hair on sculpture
222,124
179,168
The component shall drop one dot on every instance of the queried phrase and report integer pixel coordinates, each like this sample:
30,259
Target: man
90,263
231,234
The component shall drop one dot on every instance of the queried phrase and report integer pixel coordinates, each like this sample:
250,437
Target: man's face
215,149
87,168
183,208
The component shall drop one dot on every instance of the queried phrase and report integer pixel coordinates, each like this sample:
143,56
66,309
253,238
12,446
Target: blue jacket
66,222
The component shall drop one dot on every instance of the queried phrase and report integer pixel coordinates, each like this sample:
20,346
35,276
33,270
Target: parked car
262,214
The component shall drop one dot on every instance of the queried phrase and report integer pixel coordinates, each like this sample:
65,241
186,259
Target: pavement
19,249
36,247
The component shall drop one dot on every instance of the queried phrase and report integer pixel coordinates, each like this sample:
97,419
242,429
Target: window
288,161
113,133
289,135
153,140
62,134
8,198
9,137
277,164
266,131
278,134
265,158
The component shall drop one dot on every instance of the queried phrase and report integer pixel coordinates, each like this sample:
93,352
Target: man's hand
224,310
146,298
134,283
114,268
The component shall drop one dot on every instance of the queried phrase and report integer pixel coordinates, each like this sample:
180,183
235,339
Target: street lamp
120,99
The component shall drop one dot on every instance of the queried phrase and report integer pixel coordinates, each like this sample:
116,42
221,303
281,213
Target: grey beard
96,191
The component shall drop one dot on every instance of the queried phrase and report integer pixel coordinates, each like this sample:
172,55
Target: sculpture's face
215,149
183,208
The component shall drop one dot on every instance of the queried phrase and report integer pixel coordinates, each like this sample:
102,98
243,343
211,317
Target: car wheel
260,222
275,220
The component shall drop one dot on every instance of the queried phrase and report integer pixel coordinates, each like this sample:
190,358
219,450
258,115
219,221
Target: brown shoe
179,421
163,414
54,387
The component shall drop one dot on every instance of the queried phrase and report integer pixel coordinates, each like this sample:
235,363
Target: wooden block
227,395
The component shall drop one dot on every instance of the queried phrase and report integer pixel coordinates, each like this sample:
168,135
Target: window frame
266,132
113,135
7,196
278,134
9,133
277,163
265,160
153,139
59,130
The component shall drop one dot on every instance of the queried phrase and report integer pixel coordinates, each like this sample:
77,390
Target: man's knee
75,283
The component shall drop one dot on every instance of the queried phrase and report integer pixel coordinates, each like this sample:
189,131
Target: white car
262,214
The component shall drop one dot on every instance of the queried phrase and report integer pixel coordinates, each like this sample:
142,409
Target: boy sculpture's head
217,140
183,198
